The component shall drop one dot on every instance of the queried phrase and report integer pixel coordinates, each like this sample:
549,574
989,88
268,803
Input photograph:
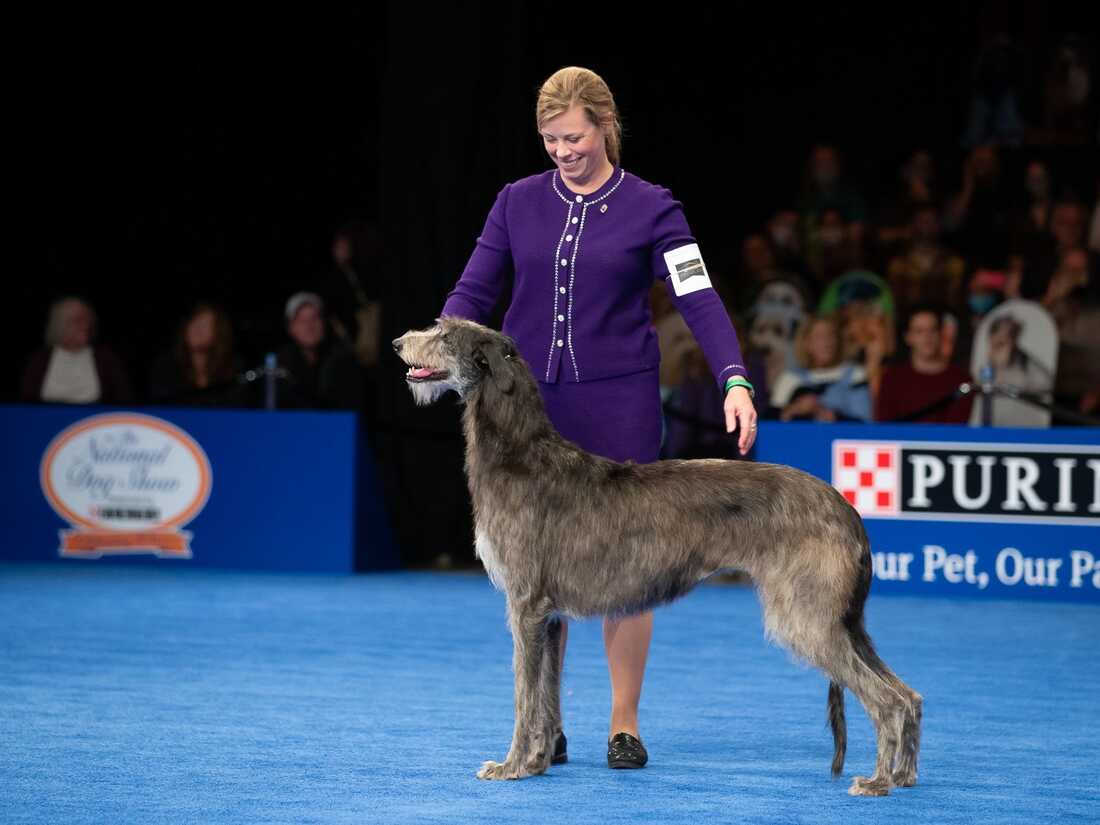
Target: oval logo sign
126,482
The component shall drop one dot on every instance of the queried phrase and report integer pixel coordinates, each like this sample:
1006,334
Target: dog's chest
487,552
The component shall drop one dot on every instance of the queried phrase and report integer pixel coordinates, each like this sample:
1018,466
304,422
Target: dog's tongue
420,372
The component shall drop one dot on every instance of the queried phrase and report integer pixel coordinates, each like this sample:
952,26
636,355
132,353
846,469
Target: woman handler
583,243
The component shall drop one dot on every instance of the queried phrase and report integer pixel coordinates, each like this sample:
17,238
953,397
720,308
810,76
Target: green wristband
738,381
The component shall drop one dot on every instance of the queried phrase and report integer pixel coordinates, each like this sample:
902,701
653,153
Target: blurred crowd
854,311
847,310
974,267
326,361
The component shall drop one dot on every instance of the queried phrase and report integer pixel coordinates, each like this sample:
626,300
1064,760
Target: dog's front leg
531,744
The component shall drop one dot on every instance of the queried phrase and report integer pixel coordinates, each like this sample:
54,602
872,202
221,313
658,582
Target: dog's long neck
504,430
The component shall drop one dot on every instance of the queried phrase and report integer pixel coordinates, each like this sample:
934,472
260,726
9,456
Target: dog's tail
839,724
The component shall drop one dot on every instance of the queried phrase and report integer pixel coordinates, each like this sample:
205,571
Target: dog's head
458,355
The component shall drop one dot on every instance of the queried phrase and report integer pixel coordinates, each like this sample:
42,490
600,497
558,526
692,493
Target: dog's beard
428,392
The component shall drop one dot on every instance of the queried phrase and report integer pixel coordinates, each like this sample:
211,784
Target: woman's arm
482,281
675,257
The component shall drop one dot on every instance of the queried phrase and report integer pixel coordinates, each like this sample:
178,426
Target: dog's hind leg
532,744
894,710
905,768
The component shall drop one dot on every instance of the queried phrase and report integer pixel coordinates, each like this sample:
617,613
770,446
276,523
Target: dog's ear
497,355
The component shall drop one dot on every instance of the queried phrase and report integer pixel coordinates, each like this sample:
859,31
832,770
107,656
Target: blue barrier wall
961,511
278,491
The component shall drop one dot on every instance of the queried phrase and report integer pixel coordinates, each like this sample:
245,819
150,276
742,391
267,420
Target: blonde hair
60,310
575,86
802,343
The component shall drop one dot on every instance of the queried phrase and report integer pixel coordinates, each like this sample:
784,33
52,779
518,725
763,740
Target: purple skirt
618,417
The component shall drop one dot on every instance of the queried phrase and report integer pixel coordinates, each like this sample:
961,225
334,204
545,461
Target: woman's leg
626,641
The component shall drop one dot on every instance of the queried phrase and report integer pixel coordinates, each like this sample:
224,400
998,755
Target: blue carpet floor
137,694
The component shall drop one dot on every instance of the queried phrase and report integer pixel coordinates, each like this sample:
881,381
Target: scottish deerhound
564,532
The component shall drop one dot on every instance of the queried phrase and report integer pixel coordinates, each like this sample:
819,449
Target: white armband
687,270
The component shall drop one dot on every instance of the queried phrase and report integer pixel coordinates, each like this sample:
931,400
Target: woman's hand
739,409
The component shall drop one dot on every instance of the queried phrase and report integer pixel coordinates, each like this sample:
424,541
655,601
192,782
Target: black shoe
624,751
560,756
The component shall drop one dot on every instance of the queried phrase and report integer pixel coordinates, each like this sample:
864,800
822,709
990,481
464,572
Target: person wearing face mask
582,243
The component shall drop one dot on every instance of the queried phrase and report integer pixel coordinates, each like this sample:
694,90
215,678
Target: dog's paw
862,786
499,770
904,779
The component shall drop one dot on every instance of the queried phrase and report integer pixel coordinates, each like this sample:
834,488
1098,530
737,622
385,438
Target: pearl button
562,289
579,199
561,343
575,220
564,262
569,237
561,317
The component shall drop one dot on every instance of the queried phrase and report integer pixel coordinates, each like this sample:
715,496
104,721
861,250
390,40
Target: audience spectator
350,287
926,270
919,388
775,317
823,386
201,369
917,191
977,217
323,372
864,307
1032,218
1068,224
825,188
1068,87
986,290
786,239
72,368
1077,317
995,102
832,249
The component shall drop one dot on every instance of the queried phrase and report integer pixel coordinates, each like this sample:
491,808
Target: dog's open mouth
417,373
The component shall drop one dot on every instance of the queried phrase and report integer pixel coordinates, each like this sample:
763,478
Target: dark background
178,154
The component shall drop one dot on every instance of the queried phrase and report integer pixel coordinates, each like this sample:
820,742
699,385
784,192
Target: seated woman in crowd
200,369
71,368
823,387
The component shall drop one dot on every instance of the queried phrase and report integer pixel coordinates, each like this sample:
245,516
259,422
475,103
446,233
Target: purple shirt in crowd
583,266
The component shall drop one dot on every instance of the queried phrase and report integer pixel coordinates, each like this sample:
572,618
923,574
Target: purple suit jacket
583,266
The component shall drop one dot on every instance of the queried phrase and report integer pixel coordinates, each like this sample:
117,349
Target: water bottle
269,381
985,378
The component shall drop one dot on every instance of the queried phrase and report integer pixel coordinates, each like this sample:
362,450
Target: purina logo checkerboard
1036,483
866,473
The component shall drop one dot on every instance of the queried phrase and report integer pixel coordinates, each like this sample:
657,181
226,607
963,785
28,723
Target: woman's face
76,331
576,145
822,344
199,334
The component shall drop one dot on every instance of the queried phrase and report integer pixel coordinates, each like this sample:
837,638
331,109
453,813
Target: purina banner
953,510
